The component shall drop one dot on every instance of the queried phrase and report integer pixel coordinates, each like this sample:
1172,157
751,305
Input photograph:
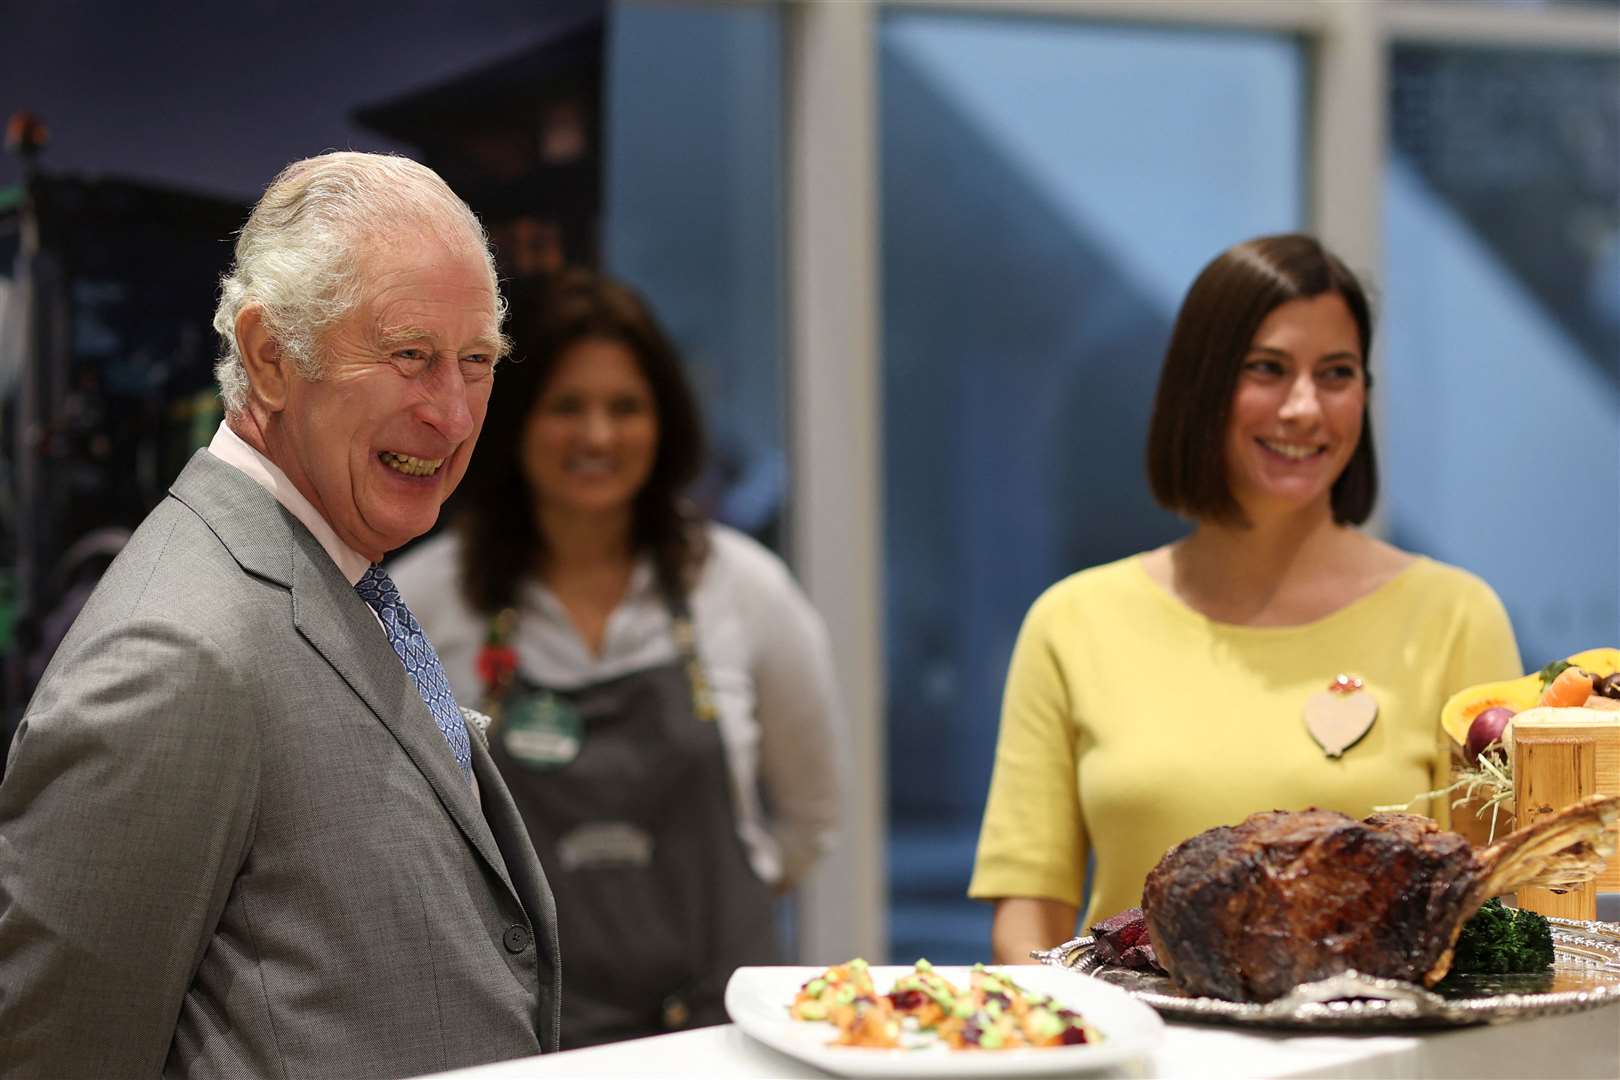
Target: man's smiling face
383,437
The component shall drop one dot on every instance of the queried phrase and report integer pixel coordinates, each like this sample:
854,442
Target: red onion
1486,729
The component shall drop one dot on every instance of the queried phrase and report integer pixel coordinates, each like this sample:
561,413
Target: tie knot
377,589
376,582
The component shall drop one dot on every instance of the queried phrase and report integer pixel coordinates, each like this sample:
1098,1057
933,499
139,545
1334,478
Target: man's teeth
1292,450
411,466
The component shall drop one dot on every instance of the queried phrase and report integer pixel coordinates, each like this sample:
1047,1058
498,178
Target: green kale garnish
1552,671
1500,940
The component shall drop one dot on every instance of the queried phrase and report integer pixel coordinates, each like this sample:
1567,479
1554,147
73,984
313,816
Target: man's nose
448,405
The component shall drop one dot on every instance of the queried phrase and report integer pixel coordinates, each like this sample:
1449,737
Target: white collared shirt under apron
764,650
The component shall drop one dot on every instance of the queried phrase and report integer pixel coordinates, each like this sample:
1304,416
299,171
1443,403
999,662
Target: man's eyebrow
391,337
492,342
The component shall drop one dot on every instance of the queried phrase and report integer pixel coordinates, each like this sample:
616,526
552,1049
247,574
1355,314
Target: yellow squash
1516,694
1597,661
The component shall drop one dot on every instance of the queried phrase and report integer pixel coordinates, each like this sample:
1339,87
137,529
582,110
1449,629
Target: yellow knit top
1132,722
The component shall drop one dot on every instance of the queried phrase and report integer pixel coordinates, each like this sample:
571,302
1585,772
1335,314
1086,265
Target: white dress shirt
229,448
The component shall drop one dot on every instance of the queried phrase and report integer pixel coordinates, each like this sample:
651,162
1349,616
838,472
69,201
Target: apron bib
626,794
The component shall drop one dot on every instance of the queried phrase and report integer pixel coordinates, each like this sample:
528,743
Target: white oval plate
757,998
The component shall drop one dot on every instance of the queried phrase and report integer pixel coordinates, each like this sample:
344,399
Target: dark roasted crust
1248,912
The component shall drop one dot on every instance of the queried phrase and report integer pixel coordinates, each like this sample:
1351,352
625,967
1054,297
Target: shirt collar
229,447
643,584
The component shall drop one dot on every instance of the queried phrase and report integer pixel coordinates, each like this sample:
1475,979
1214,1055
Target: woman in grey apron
623,787
659,687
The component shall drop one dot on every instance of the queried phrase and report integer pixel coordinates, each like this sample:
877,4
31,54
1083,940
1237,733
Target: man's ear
269,369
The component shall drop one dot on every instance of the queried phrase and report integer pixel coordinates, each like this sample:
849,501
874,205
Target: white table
1583,1044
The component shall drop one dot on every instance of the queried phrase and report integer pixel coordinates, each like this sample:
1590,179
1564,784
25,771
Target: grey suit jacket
234,844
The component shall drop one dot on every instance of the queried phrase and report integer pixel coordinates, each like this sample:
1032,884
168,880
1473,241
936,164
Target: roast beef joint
1248,912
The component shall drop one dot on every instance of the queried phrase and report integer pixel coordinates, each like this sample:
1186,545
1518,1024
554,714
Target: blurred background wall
922,257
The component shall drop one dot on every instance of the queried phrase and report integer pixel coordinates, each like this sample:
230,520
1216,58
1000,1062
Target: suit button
516,938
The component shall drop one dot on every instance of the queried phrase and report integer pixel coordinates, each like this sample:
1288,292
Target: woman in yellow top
1189,686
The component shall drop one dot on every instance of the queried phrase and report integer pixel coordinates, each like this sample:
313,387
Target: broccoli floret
1500,940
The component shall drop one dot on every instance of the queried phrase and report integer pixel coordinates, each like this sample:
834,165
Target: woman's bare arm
1023,923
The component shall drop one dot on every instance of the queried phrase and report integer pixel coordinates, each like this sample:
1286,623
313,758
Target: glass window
692,219
1049,190
1501,382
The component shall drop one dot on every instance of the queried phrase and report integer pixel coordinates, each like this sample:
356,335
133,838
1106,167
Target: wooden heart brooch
1340,716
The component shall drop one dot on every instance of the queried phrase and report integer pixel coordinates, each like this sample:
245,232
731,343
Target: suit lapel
269,542
333,618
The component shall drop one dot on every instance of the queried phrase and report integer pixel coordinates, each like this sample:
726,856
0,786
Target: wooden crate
1559,757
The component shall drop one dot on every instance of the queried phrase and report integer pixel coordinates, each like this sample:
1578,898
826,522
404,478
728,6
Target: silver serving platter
1585,975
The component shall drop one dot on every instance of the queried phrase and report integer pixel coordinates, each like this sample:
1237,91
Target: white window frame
834,308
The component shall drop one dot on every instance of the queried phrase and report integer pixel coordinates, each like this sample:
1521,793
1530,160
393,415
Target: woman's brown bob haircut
1186,449
502,544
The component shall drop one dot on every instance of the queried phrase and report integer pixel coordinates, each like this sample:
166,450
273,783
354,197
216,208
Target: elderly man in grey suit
245,831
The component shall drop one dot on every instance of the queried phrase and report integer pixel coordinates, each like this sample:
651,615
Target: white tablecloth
1583,1044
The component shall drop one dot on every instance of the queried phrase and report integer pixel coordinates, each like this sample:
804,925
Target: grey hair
297,255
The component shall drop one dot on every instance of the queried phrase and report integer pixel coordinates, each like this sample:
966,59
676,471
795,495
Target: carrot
1569,690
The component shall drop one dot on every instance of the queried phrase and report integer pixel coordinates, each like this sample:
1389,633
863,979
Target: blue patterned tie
415,651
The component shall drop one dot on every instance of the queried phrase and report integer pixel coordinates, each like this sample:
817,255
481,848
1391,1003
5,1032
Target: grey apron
656,902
